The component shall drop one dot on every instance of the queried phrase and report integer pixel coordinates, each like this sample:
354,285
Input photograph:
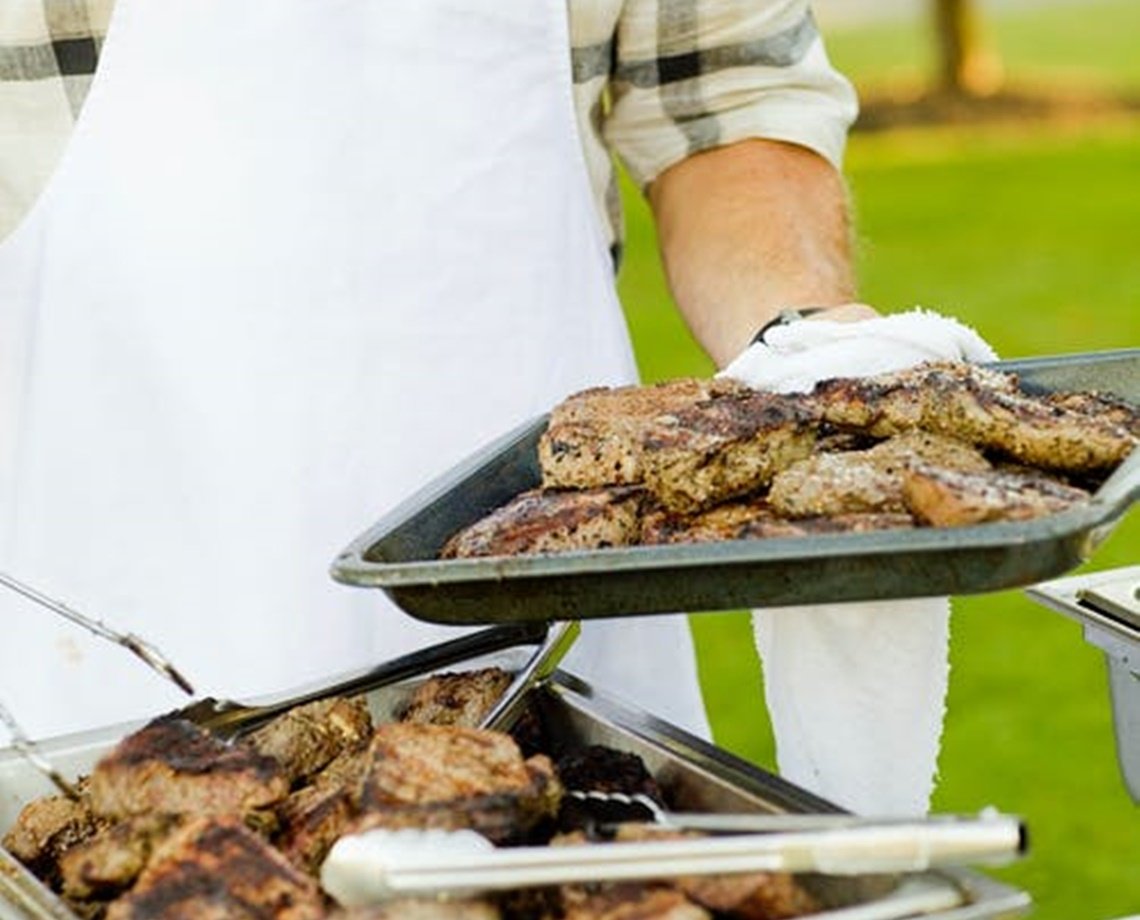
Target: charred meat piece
217,868
950,498
746,895
47,827
172,766
452,777
311,820
545,522
307,738
456,699
1104,406
868,480
593,438
756,520
605,771
730,446
628,901
423,909
979,406
108,863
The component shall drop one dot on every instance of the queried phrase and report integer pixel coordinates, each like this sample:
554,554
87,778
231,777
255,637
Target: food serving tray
398,554
573,715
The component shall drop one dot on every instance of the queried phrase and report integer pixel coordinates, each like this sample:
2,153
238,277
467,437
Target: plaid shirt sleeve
659,80
48,53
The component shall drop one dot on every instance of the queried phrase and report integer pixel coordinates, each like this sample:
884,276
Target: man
298,258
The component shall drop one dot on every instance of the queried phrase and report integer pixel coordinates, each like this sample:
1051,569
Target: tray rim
1091,522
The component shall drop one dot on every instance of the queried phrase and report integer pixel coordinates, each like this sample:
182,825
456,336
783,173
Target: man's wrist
785,317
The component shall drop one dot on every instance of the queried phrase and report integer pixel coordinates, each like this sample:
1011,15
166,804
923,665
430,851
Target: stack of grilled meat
174,822
941,444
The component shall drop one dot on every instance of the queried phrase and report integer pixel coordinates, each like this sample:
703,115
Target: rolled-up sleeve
691,75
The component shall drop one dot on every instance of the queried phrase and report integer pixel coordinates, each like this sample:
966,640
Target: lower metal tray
696,776
398,554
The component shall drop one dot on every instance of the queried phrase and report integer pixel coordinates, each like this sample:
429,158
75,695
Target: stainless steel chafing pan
398,554
696,775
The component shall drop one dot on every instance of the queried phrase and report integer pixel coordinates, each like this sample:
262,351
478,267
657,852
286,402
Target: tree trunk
967,66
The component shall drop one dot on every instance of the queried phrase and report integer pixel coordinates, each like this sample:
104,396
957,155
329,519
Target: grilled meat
756,520
628,901
307,738
172,766
456,699
951,498
593,438
729,446
543,522
108,863
48,827
1103,406
868,480
453,777
745,895
979,406
217,869
423,909
311,820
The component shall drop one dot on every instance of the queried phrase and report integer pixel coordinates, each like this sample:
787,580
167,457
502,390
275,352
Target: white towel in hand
856,691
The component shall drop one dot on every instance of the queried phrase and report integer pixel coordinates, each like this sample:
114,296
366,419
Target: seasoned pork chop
593,438
727,447
456,699
307,738
979,406
865,481
540,521
951,498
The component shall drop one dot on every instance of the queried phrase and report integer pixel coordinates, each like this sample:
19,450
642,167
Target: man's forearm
747,230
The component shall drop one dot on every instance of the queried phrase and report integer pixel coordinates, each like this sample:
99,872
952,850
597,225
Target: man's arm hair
749,229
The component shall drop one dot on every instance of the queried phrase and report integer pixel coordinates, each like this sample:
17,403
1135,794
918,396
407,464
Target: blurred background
995,174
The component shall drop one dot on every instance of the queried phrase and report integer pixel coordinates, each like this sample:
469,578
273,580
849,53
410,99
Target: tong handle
541,665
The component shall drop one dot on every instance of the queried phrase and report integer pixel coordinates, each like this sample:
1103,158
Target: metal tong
138,646
380,865
229,718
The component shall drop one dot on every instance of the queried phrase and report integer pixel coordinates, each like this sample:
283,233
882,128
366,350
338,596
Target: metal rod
32,754
139,647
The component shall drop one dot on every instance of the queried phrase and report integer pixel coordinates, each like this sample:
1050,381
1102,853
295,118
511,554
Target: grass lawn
1030,234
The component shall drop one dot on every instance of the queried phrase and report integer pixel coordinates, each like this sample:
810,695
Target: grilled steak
456,699
594,437
724,448
174,767
47,827
423,909
746,895
868,480
628,901
756,520
217,869
981,407
453,777
108,863
307,738
543,522
950,498
311,820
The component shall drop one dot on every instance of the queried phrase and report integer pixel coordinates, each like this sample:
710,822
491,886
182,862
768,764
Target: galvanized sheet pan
697,776
398,554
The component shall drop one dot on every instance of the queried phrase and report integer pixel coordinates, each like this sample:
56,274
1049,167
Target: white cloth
856,691
794,357
307,294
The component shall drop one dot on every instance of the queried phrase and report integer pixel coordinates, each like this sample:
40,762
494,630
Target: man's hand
748,230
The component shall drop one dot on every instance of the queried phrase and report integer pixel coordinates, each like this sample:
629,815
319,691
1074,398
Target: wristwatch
786,317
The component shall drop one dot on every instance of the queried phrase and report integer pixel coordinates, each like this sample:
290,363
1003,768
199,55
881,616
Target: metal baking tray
398,554
695,775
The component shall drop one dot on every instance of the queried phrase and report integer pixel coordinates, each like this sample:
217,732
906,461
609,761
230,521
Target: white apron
299,258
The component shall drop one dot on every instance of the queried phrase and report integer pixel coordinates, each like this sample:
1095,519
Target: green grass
1029,234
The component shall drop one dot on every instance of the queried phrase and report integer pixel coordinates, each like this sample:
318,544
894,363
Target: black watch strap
785,317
